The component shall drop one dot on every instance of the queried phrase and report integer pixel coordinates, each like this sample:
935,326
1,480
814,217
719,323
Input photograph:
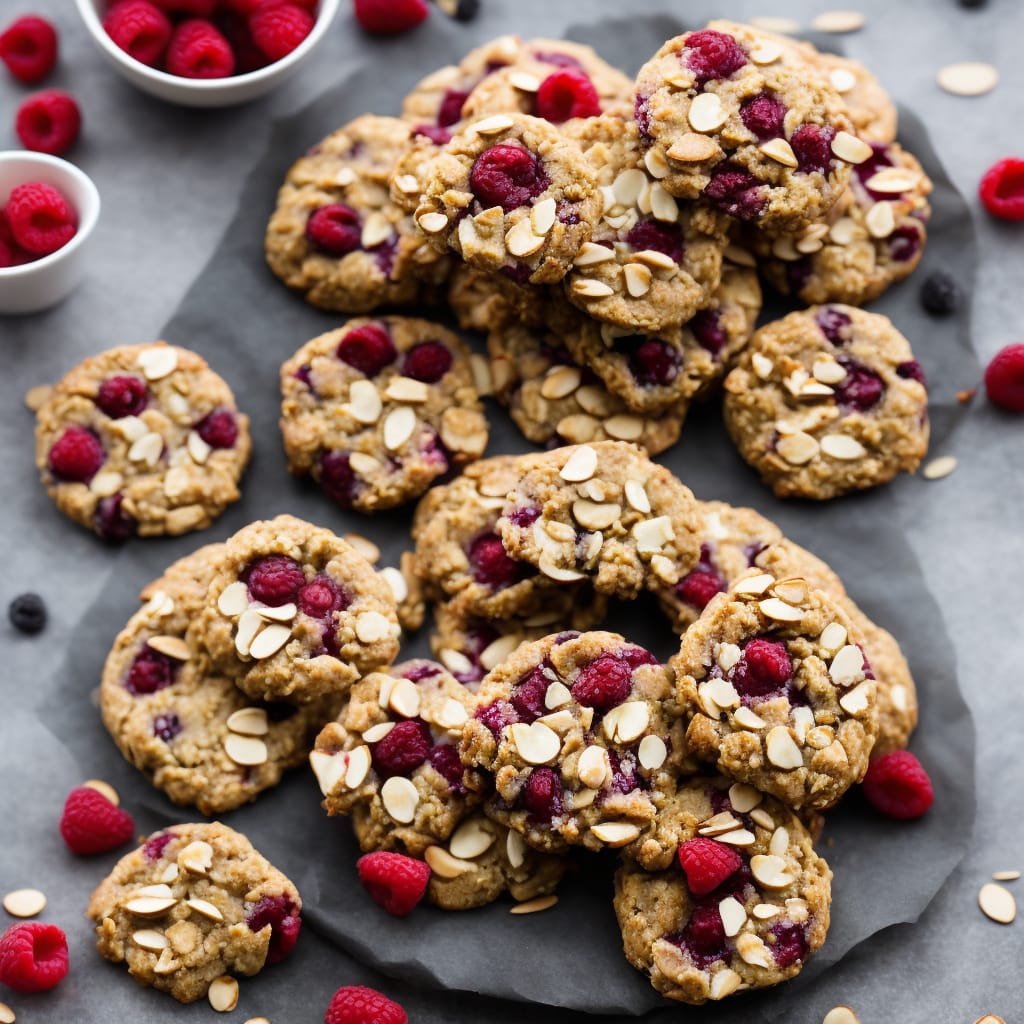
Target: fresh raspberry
357,1004
897,785
707,864
542,794
76,455
736,192
402,750
428,361
490,562
283,917
367,349
389,17
763,114
277,28
706,326
149,672
603,683
1004,378
763,670
41,219
832,323
507,175
166,727
567,94
812,145
790,944
698,587
48,122
713,54
111,521
122,396
704,935
320,597
92,824
861,388
654,362
198,50
528,695
274,580
663,238
1002,189
394,881
29,49
139,28
337,478
219,428
33,956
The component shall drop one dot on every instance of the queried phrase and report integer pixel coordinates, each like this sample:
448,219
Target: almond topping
157,363
248,751
734,917
580,465
444,865
843,447
148,938
707,113
404,698
492,125
780,151
782,750
593,767
652,753
520,239
223,994
535,905
615,833
770,871
586,289
400,799
536,743
470,840
560,381
638,279
269,641
591,254
173,646
851,149
432,223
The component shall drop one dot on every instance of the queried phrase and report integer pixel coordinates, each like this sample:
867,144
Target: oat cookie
581,736
336,235
191,904
828,400
375,411
142,439
486,302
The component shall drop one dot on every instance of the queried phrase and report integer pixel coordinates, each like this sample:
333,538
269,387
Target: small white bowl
44,282
203,92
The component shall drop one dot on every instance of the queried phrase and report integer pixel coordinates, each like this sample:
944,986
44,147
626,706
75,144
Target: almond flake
638,279
278,613
105,788
400,798
880,220
747,719
783,248
444,865
492,125
782,750
722,692
656,164
652,753
452,715
766,52
997,903
843,447
827,370
169,874
536,743
893,180
851,149
105,484
766,911
587,289
738,837
624,427
150,906
847,666
249,624
557,695
593,767
763,366
455,661
844,231
521,241
372,627
234,599
147,449
719,823
560,381
205,908
534,906
433,223
595,516
740,256
627,722
591,254
157,363
770,871
150,939
939,468
651,535
792,590
358,767
734,917
248,751
724,983
663,205
707,113
173,646
404,698
628,185
970,78
553,570
470,840
406,389
580,465
396,582
841,1015
843,80
515,849
499,650
780,151
797,448
269,641
25,902
833,636
223,994
780,611
377,732
407,184
838,21
656,260
803,720
744,798
753,586
779,843
1006,876
523,81
364,404
196,858
857,700
615,833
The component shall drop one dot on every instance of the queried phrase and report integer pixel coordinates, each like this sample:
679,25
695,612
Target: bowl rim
326,13
87,218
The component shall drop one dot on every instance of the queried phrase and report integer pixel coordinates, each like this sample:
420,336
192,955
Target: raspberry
357,1004
813,147
832,323
198,50
450,111
11,254
542,794
897,785
437,134
92,824
790,944
763,670
122,396
567,94
763,114
29,49
139,28
33,956
111,521
706,326
428,361
497,715
654,362
402,750
337,478
394,881
861,388
663,238
704,935
507,175
320,597
634,657
166,727
155,845
699,587
603,683
76,455
149,672
1002,189
940,293
235,27
736,192
490,562
642,116
277,28
528,695
390,16
707,864
274,580
905,242
40,218
1004,378
444,759
713,54
27,613
911,370
367,349
219,428
283,917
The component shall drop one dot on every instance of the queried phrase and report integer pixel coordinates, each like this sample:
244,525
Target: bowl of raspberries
207,53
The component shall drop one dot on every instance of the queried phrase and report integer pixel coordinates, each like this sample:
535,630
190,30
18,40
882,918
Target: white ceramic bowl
203,92
44,282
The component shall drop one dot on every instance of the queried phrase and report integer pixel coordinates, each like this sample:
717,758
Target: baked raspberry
149,672
277,28
29,48
624,777
698,587
357,1004
542,794
764,114
437,134
367,349
507,175
707,864
1002,189
428,361
394,881
736,192
90,823
603,683
1004,378
706,326
711,54
832,323
219,428
703,937
634,657
897,785
389,17
274,580
122,396
911,370
166,727
762,671
154,846
905,243
812,145
139,28
320,597
567,94
285,924
33,956
402,750
654,362
76,455
450,111
334,230
642,117
663,238
497,715
198,50
490,562
790,944
40,218
444,759
337,478
528,695
111,521
861,388
524,517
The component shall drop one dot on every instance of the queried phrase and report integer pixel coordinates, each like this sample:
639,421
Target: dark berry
642,117
528,695
1004,378
40,218
1002,189
29,48
491,564
654,363
698,587
905,243
335,229
166,727
704,936
402,750
426,670
450,111
219,428
277,28
337,478
736,192
663,238
428,361
320,597
283,917
861,388
940,293
812,145
76,455
524,517
139,28
27,613
567,94
437,134
111,521
367,349
122,396
460,10
832,323
444,759
762,671
911,370
33,956
764,114
790,944
542,794
634,657
603,684
199,50
507,175
497,715
711,54
274,580
149,672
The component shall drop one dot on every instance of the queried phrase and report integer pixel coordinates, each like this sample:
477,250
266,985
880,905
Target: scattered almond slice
536,905
970,78
997,903
25,902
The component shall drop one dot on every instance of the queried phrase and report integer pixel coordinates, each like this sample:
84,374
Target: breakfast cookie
486,302
742,906
603,512
336,235
510,191
776,690
375,411
391,759
295,613
582,738
191,904
142,439
745,123
828,400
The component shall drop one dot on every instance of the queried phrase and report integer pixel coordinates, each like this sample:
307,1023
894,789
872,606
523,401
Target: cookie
191,904
486,302
604,513
142,440
510,191
337,237
745,123
295,613
581,736
768,912
375,411
776,691
391,760
826,401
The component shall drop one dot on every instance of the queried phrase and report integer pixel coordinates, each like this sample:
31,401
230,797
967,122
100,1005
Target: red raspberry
198,50
367,349
428,362
764,669
29,49
320,597
763,114
139,28
1002,189
654,362
335,229
699,587
76,455
278,27
92,824
11,254
507,175
122,396
1004,378
707,864
285,924
394,881
813,147
490,562
219,429
542,794
357,1004
528,695
897,785
567,94
712,54
603,683
390,16
666,238
33,956
402,750
41,219
275,580
48,122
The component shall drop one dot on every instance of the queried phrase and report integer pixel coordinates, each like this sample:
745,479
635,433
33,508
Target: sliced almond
196,858
766,52
147,449
249,624
747,719
753,951
364,404
858,700
592,254
377,732
492,125
157,363
851,149
248,751
105,788
523,81
373,626
753,586
841,1015
803,722
515,849
234,599
150,906
173,646
520,239
25,902
624,427
444,865
724,983
771,871
376,229
738,837
535,906
359,762
593,767
664,206
400,799
782,750
269,641
970,78
587,289
561,721
656,260
693,148
766,911
780,611
556,696
652,753
105,484
651,535
880,220
847,666
780,151
452,715
406,389
843,447
893,180
720,823
150,939
833,636
744,798
560,381
734,917
536,743
627,722
939,468
793,590
580,465
1006,876
595,516
827,370
553,570
997,903
404,698
615,833
223,994
779,842
638,279
797,448
707,113
838,21
543,216
205,908
432,223
470,840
